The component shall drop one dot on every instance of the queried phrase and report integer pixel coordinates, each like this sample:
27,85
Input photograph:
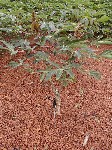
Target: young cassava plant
64,45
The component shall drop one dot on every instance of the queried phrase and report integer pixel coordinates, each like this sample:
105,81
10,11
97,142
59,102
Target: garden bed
27,121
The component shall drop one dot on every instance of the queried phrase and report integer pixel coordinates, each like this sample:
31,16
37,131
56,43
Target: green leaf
105,42
37,60
42,55
3,48
6,29
104,19
9,47
53,63
95,74
30,55
21,61
72,65
14,64
64,83
30,70
78,54
59,74
70,73
49,75
52,26
42,76
106,54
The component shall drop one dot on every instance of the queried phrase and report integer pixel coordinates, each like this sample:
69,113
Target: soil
26,107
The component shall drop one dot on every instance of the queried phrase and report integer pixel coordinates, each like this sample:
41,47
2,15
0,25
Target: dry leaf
35,25
86,139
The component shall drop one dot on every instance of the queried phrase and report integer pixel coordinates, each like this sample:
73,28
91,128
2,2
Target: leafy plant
8,47
107,54
96,16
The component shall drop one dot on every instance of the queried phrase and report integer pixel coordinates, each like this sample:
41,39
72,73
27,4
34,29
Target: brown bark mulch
27,121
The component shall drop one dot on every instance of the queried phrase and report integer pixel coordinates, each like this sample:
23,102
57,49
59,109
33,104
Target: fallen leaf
86,139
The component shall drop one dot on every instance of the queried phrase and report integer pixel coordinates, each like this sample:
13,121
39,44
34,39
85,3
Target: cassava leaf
14,64
95,74
64,83
37,60
106,54
41,55
49,75
105,42
76,65
78,54
59,74
72,65
30,70
52,26
53,63
103,19
9,47
3,48
70,73
42,76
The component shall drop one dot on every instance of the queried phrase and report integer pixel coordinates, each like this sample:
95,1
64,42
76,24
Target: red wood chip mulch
27,121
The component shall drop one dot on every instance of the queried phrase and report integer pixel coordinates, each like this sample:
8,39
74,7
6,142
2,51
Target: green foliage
95,15
16,64
95,74
106,54
62,71
66,26
106,41
9,47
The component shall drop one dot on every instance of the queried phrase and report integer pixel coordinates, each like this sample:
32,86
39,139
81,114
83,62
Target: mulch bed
27,121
